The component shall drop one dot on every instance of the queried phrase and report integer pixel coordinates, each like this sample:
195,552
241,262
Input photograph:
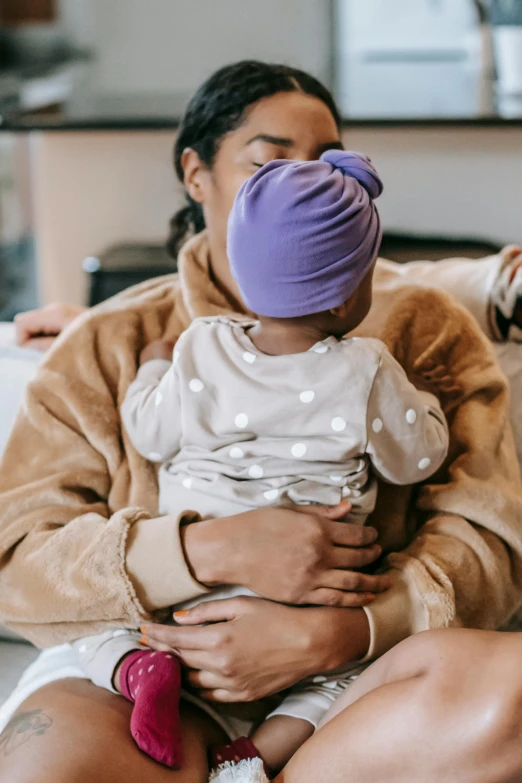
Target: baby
284,408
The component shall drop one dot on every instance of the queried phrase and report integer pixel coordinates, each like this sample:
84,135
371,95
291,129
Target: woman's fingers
210,612
329,512
325,596
222,696
346,534
356,582
206,680
348,558
175,638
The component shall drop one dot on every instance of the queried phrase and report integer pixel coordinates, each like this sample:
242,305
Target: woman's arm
464,564
74,497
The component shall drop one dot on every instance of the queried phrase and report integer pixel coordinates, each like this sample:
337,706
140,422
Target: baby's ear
342,310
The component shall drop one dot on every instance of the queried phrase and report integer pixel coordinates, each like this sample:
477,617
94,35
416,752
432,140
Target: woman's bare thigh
73,732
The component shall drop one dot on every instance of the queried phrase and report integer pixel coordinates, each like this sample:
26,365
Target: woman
78,543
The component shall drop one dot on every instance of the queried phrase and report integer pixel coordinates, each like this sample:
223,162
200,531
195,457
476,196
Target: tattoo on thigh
21,728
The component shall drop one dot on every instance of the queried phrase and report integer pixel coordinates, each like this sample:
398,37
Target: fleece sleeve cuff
156,563
394,616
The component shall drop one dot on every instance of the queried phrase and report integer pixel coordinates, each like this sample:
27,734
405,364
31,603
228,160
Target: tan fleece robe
81,550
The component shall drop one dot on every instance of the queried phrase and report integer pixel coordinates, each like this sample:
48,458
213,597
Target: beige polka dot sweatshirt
83,549
234,425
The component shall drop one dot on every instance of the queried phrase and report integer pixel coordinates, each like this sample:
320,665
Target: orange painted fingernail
143,640
143,630
181,613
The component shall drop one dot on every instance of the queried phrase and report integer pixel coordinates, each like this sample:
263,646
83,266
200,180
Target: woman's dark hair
218,107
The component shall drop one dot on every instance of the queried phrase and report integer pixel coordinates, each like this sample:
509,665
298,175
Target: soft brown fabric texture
80,551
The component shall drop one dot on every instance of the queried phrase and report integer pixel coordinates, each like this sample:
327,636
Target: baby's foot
239,761
152,680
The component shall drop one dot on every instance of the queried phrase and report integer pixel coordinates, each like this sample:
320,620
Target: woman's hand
302,555
39,329
253,648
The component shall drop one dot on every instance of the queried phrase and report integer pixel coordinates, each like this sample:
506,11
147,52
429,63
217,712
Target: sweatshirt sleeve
407,434
151,411
81,548
460,563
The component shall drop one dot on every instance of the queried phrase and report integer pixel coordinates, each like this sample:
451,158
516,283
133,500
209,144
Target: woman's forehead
292,119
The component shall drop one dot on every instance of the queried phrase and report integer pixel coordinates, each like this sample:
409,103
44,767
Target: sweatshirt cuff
394,616
156,563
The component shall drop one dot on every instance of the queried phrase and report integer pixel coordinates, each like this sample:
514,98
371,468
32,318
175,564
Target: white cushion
17,367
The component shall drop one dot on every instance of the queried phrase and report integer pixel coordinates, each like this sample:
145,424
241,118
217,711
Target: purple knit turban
302,236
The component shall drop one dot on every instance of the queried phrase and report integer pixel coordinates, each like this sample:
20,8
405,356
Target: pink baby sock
152,680
236,751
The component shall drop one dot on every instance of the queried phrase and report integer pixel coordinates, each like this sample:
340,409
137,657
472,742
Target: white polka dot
249,357
140,672
256,472
158,399
271,494
196,385
132,678
411,416
136,691
219,757
356,493
377,425
83,648
155,456
241,421
337,479
153,655
307,396
298,450
176,356
320,348
140,660
319,679
346,492
187,483
338,424
150,668
236,453
237,758
424,463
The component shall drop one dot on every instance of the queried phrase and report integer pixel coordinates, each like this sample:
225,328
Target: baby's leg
284,731
151,680
279,737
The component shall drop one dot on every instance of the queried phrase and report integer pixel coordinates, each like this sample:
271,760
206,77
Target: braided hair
219,107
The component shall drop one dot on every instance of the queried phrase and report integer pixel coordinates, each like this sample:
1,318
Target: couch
16,369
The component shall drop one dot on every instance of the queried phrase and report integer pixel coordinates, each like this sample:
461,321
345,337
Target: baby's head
303,239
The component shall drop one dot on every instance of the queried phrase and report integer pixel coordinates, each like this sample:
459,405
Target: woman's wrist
336,637
209,550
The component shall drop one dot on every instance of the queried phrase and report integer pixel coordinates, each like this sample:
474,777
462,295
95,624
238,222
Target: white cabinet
408,57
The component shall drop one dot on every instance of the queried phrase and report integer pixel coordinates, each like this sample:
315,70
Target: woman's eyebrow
277,141
331,145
